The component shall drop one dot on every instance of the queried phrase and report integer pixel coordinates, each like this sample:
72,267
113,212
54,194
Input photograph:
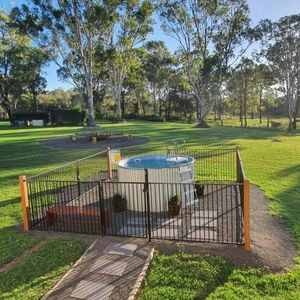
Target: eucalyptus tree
70,31
242,89
20,66
157,63
283,54
264,82
134,19
210,36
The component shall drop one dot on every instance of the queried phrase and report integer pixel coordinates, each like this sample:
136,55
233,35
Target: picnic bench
96,134
86,132
75,214
124,137
275,125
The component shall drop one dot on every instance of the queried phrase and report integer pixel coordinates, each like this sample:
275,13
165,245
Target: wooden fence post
24,202
246,199
108,161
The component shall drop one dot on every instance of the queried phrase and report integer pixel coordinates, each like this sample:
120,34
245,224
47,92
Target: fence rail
87,168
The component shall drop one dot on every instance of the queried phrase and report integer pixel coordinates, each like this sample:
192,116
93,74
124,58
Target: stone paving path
108,270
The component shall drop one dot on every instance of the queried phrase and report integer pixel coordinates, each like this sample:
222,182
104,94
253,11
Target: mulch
67,143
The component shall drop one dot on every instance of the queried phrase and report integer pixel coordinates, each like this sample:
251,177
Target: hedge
67,116
29,116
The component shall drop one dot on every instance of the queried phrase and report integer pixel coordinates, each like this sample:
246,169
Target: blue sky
259,9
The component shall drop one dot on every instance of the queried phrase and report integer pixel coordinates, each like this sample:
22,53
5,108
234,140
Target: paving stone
136,221
132,230
201,234
165,232
90,290
120,249
205,214
170,222
109,267
204,222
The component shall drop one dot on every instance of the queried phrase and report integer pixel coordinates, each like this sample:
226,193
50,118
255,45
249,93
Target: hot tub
163,170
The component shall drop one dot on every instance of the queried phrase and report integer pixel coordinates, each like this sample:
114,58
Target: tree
283,54
134,23
70,32
157,64
242,89
208,33
20,66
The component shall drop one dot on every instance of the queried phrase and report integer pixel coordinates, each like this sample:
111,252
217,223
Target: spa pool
163,172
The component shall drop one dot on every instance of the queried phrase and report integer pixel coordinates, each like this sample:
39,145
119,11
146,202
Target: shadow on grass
287,202
31,278
185,276
13,243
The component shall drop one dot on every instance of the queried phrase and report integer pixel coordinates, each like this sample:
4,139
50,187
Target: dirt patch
273,248
23,256
67,143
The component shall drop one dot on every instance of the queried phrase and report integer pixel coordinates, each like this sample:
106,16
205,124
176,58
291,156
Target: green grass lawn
271,160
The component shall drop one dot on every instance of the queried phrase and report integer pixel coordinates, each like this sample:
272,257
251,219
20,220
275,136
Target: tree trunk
290,123
118,97
90,105
260,106
241,113
159,107
202,122
34,102
201,115
7,108
123,102
245,103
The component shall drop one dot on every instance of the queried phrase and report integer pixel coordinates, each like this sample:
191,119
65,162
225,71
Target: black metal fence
78,197
215,215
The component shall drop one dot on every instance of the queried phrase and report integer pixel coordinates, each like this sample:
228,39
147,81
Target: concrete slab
137,221
201,234
134,231
90,290
165,232
120,249
204,222
205,214
170,222
109,267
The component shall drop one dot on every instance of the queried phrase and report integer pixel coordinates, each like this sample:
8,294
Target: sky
259,9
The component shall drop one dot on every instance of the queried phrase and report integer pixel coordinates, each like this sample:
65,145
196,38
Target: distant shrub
29,116
67,116
174,118
151,118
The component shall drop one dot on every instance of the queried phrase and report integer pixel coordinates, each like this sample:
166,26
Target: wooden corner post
246,199
108,161
24,202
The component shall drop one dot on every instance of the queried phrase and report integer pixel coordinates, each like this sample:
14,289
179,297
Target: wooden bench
112,136
88,132
53,213
275,125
